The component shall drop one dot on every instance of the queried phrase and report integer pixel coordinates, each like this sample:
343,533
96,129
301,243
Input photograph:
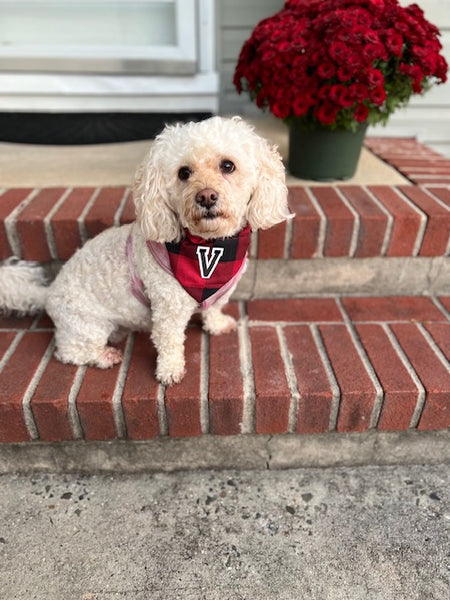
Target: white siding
236,19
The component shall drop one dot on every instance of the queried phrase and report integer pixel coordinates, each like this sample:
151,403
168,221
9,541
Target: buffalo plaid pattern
202,267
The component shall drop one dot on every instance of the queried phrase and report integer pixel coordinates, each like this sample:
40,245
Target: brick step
303,365
331,222
419,163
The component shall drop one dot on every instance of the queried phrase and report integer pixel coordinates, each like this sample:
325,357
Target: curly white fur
90,300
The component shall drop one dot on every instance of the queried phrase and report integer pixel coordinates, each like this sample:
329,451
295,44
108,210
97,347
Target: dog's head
211,177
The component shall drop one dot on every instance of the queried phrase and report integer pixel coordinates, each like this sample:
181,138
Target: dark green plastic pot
324,155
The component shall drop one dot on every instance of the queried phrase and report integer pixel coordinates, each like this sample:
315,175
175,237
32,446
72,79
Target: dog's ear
268,203
158,222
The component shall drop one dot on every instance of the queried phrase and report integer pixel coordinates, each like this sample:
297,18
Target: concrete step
303,365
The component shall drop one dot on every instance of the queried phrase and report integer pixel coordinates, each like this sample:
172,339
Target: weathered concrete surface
28,165
379,275
228,452
323,534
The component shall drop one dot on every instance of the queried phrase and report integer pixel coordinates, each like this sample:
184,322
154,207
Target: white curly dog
206,181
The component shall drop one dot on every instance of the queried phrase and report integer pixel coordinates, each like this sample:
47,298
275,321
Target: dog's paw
168,375
219,323
109,357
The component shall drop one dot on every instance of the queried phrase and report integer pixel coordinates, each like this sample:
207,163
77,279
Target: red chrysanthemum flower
331,61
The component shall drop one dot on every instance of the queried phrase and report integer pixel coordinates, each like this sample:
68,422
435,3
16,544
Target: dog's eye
184,173
227,167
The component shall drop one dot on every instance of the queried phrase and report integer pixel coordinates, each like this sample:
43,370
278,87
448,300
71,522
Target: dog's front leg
215,322
168,335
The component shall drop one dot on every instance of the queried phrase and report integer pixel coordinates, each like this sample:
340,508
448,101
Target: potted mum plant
330,68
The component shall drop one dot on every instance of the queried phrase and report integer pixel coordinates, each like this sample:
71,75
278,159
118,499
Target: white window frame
153,59
68,91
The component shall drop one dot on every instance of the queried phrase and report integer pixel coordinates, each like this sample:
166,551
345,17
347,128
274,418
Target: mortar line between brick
74,417
423,221
429,338
204,383
356,222
390,221
323,223
421,393
436,198
440,306
11,223
291,379
288,238
431,175
37,318
335,389
12,348
379,392
248,382
49,235
81,224
118,415
120,209
26,400
162,415
253,250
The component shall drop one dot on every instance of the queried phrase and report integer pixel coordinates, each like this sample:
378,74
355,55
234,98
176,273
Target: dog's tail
23,287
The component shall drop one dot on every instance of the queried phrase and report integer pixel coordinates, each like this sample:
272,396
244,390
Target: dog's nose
207,197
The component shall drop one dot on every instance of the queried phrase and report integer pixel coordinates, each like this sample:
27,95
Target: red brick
102,212
31,227
6,337
392,308
50,402
15,379
418,163
301,310
440,332
373,221
423,180
400,392
45,322
129,212
407,221
316,395
94,403
358,394
183,400
271,241
272,392
140,394
445,301
432,373
65,222
442,193
340,222
9,200
429,168
226,391
436,235
305,238
16,322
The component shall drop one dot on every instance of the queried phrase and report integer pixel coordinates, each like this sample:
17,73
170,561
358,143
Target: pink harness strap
137,285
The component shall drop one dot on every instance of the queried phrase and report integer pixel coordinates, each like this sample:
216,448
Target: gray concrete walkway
28,165
372,533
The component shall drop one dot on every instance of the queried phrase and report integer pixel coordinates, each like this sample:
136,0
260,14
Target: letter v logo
207,263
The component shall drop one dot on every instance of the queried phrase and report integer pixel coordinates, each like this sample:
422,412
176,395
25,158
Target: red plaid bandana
203,267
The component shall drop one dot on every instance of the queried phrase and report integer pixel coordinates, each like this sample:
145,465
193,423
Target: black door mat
87,128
